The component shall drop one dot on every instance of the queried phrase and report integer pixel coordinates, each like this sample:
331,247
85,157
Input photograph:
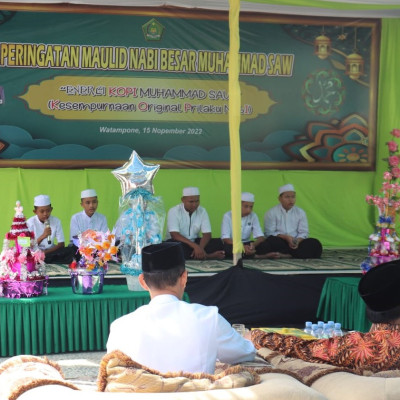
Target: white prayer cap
246,196
41,200
191,191
88,193
286,188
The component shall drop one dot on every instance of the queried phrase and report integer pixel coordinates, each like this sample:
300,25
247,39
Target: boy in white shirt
48,230
88,218
251,229
286,228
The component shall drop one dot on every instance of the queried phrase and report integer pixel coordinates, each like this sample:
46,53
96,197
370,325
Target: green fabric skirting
341,302
63,321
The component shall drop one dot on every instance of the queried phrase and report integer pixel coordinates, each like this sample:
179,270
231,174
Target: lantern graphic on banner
322,46
354,61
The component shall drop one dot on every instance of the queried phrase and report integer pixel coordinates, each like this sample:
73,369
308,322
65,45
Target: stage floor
337,260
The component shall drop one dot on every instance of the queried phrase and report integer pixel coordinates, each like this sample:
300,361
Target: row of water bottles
323,330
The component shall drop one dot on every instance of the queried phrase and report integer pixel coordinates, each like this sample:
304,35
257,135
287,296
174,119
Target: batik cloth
377,350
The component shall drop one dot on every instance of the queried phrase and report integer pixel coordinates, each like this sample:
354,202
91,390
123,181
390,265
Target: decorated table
341,302
63,321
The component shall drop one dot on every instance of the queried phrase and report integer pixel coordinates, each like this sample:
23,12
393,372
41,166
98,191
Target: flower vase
86,281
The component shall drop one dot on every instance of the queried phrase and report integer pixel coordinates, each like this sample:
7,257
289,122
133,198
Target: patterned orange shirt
377,350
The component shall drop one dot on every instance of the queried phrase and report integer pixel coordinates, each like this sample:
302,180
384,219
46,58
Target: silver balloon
135,174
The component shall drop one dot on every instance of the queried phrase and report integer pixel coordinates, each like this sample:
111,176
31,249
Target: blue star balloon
135,174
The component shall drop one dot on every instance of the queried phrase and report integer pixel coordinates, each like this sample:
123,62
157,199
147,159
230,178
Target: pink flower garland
390,187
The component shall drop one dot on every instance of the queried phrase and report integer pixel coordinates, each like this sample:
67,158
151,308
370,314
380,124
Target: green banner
87,89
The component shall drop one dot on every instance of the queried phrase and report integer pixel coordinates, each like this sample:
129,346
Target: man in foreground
377,350
169,334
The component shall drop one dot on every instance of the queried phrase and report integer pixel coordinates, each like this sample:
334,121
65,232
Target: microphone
47,225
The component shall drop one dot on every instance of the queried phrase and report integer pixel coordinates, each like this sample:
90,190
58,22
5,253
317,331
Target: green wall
334,201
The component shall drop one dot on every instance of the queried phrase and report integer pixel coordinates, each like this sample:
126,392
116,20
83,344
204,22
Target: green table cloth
63,321
340,302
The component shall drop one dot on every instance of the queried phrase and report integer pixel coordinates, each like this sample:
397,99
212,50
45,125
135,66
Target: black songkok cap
380,286
162,257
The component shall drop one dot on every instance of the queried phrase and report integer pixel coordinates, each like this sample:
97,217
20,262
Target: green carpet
332,260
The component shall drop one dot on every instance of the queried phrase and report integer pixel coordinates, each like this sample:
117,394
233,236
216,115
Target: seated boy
88,218
250,228
47,228
185,223
286,228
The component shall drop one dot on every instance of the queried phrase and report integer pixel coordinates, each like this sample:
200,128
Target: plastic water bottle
308,327
337,330
315,331
326,333
330,328
320,328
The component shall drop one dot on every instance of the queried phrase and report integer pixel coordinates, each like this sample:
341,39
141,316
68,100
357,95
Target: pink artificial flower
8,255
377,201
387,176
394,161
393,146
22,258
38,256
396,172
395,187
396,133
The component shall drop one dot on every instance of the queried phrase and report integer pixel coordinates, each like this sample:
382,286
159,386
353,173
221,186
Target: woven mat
331,260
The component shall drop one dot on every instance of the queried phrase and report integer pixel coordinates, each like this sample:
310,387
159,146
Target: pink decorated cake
22,268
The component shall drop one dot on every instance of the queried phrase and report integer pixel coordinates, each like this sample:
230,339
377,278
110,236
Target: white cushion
345,386
273,386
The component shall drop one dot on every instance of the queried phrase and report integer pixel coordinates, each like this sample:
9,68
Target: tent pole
234,127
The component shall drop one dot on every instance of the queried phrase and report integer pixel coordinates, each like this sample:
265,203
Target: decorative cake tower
22,268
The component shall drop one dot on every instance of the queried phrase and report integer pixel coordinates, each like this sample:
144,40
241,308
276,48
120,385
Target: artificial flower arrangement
384,242
96,250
